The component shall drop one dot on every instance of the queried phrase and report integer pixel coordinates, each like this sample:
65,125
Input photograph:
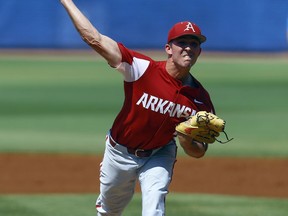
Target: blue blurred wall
233,25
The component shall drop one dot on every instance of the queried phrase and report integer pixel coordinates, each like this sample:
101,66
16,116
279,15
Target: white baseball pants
119,171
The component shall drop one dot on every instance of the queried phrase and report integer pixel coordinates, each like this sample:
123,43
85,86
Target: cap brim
201,38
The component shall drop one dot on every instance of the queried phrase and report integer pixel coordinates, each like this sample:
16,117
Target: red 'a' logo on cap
189,26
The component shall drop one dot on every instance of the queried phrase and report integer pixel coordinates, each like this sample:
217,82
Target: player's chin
188,63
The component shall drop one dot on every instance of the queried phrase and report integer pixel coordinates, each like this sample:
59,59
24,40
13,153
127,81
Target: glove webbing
200,120
223,142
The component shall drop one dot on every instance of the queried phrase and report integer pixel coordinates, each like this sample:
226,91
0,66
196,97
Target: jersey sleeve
133,64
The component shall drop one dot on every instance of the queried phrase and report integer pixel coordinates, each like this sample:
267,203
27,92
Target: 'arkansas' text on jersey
165,106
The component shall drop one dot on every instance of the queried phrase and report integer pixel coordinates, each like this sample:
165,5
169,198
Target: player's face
185,51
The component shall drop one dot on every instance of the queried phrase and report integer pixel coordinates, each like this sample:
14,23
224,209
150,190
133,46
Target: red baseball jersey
155,102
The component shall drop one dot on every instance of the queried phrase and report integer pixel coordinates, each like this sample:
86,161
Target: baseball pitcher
163,100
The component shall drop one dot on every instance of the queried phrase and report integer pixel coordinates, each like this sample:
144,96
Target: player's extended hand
65,1
203,127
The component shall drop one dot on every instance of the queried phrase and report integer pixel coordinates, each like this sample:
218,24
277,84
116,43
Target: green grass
66,105
177,204
252,97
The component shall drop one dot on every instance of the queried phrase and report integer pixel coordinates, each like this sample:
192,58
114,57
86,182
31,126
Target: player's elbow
90,37
191,147
198,155
90,40
195,154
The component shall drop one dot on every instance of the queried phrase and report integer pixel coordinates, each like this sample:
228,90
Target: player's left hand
203,127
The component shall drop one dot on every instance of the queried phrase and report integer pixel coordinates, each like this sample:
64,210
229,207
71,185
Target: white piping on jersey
165,106
135,71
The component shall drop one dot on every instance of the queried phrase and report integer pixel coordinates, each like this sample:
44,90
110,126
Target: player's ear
168,49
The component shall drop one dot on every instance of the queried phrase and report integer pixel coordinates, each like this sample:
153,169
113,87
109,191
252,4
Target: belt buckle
138,151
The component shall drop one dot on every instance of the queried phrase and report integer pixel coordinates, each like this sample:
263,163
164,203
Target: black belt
136,152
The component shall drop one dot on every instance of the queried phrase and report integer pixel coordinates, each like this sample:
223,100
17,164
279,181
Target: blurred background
238,25
52,88
58,98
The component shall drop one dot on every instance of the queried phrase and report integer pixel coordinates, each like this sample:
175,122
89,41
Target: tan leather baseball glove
203,127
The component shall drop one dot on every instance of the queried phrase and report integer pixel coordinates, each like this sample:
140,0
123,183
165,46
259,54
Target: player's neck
175,72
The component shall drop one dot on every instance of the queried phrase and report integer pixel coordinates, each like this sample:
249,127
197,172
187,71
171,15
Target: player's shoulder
132,53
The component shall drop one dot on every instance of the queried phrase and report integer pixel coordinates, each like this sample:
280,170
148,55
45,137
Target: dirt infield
25,173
